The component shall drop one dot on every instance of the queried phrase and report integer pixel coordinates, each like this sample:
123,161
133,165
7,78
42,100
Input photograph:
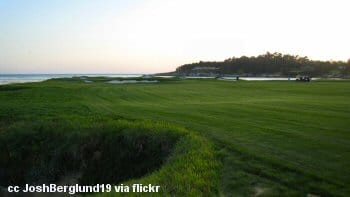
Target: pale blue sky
146,36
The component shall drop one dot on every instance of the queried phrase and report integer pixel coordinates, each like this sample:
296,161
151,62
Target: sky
151,36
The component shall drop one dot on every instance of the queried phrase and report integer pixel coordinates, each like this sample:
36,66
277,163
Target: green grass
270,138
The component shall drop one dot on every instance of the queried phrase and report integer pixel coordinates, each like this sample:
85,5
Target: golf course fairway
192,137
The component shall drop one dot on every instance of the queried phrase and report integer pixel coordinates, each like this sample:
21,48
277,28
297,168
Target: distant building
204,68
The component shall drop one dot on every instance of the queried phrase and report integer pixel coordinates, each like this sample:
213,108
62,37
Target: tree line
269,64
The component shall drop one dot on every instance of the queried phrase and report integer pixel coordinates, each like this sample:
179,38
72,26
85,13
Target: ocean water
24,78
